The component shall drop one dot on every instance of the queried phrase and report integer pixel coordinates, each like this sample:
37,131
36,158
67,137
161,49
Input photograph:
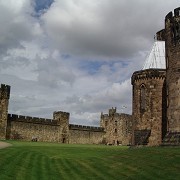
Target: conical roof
156,57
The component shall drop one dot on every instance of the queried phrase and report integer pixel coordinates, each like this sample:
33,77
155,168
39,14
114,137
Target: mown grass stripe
92,170
12,168
38,171
77,170
23,170
109,167
34,161
68,174
58,169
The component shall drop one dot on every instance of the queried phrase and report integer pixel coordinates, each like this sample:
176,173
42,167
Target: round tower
148,106
172,39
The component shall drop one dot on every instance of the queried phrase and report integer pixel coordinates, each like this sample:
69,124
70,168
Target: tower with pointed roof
149,103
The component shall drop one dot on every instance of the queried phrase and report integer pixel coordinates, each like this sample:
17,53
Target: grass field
48,161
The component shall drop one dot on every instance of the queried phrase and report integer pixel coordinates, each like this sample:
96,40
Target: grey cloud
53,72
114,95
111,28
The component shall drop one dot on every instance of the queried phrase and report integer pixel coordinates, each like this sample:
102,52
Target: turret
5,91
63,118
112,111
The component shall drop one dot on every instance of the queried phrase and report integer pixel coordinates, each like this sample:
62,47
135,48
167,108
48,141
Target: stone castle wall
118,127
85,134
148,102
28,128
52,130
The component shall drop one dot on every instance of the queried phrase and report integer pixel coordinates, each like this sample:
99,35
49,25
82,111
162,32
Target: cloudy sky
75,55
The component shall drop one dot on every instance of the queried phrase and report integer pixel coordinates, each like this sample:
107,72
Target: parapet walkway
4,145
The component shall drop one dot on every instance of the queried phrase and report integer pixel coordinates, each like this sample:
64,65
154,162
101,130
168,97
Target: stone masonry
172,41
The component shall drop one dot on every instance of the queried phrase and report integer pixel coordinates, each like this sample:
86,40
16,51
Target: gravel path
4,145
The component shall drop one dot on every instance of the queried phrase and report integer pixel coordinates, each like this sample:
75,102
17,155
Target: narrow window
167,95
115,123
167,62
143,98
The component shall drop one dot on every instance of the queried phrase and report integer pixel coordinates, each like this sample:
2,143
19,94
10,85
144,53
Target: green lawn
41,161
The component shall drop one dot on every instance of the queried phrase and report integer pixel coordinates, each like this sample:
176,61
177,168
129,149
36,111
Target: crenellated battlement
85,128
160,35
123,115
170,15
112,111
5,91
33,120
172,27
148,74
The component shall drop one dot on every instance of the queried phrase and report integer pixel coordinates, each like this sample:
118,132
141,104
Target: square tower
4,102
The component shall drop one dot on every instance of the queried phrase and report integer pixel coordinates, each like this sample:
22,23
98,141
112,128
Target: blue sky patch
91,67
41,5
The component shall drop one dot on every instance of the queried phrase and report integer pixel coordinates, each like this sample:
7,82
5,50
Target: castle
155,118
156,92
59,130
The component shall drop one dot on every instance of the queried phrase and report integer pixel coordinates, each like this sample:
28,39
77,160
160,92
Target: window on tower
115,123
142,98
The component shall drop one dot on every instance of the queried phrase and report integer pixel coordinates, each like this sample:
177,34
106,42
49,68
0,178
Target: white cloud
17,24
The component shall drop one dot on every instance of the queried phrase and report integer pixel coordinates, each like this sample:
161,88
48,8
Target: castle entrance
64,140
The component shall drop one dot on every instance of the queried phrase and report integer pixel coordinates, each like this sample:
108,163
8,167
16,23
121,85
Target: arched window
142,98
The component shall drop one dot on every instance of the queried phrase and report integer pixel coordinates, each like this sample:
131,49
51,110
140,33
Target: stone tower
148,110
63,121
149,97
4,101
118,127
172,39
